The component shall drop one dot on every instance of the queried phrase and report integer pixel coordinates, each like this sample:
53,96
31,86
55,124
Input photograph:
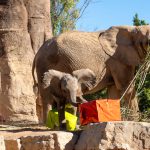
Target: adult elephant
112,55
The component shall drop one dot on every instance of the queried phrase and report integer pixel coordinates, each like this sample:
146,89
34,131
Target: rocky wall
24,26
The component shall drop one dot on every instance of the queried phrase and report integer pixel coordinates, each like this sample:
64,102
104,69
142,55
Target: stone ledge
38,140
100,136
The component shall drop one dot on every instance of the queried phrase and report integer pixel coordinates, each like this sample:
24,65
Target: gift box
103,110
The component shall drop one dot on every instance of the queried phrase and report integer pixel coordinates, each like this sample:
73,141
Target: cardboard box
102,110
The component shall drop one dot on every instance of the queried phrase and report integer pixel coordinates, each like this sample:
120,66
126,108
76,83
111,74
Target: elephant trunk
73,102
149,42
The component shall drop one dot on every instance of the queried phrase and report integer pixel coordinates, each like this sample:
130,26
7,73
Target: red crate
103,110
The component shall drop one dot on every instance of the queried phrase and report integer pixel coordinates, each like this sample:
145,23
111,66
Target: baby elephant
65,88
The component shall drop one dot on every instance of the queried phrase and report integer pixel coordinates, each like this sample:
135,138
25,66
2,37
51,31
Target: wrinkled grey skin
66,88
69,85
112,55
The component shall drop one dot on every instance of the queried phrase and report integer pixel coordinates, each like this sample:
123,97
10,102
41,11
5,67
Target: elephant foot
63,127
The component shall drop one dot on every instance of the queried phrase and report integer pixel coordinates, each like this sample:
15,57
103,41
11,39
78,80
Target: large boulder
39,140
24,26
115,136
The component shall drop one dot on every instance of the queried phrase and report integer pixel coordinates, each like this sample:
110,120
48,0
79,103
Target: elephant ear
141,39
118,42
51,75
86,78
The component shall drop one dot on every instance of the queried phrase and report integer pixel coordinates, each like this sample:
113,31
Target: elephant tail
35,86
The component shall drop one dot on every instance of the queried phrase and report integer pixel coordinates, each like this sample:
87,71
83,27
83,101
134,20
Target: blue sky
101,14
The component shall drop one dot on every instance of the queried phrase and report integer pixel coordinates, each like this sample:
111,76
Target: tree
137,21
144,94
63,15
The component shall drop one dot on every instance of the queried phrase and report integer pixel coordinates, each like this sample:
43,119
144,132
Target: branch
83,8
62,9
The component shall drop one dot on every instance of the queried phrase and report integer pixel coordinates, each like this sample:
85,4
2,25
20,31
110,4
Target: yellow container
52,120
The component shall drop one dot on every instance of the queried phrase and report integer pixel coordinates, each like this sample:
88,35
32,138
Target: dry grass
143,70
127,114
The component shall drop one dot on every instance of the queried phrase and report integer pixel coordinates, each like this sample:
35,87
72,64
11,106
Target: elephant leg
75,111
39,109
123,75
45,106
61,115
45,111
131,102
113,92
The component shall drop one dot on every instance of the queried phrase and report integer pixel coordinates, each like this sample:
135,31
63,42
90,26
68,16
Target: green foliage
63,15
97,95
145,116
137,21
144,93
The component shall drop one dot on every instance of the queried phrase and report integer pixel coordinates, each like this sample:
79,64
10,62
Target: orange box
103,110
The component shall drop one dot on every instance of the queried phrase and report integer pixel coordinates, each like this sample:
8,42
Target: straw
141,73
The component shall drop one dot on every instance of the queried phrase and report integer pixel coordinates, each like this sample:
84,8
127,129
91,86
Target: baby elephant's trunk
73,101
74,104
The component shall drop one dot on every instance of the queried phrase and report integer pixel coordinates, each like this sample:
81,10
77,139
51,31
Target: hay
143,70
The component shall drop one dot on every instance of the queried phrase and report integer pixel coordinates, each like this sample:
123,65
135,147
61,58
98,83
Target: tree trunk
24,26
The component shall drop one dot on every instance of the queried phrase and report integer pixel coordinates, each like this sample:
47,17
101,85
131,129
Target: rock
100,136
53,141
39,140
39,24
24,26
115,136
2,144
12,144
17,99
65,140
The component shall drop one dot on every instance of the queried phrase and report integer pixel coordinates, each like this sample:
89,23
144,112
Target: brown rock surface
24,26
101,136
115,136
38,21
2,143
39,140
12,144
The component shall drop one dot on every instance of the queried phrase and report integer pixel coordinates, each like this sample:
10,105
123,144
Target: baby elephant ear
86,78
50,75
